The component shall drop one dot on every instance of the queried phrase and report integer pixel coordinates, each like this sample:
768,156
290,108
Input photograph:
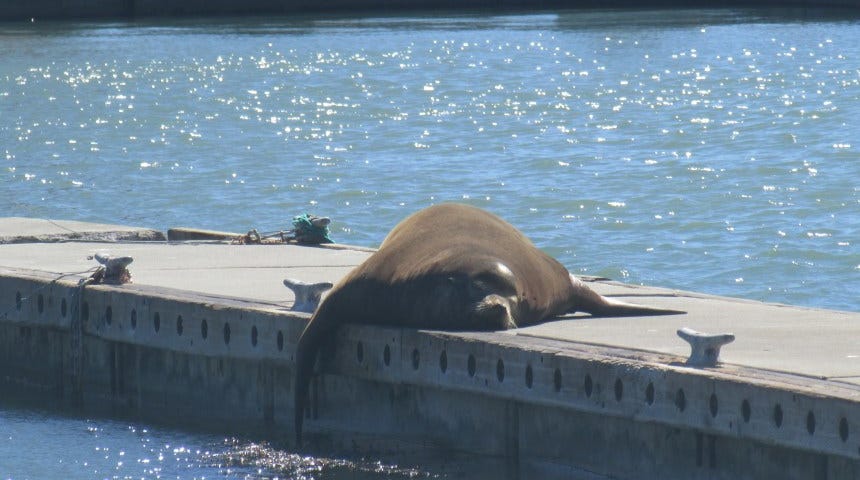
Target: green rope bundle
306,231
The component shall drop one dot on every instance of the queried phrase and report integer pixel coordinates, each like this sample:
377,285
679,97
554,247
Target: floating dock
205,333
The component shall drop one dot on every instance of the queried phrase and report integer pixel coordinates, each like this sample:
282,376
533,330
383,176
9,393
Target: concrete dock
205,332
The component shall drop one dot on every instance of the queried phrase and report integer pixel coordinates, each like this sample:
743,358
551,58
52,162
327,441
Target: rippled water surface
714,151
706,150
41,443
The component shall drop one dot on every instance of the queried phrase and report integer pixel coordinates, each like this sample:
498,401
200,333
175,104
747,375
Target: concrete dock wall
536,405
130,9
146,350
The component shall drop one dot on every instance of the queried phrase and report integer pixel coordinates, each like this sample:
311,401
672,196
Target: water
713,151
41,443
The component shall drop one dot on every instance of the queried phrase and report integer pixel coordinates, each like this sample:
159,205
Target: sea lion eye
491,282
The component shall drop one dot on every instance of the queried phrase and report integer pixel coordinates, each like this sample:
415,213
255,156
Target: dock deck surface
803,341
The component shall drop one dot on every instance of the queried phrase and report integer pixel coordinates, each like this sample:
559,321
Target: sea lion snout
494,312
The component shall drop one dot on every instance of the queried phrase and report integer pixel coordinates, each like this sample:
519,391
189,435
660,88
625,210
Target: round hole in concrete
529,376
649,393
471,365
133,318
63,307
280,341
713,405
17,300
556,379
359,352
40,303
810,422
681,399
108,315
443,361
416,359
254,335
500,370
589,385
226,334
156,322
619,389
179,327
777,415
386,355
204,329
746,410
843,429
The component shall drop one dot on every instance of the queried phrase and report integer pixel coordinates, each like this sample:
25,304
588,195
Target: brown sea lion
451,267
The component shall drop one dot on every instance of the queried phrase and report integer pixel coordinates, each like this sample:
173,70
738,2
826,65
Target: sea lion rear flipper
584,299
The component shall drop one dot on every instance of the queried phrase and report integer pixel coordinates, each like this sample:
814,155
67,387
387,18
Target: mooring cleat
307,295
115,268
705,347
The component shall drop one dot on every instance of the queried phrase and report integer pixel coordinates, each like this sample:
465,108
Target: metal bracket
115,268
307,295
705,347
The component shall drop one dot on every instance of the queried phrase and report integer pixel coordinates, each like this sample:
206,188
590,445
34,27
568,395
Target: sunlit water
714,151
38,443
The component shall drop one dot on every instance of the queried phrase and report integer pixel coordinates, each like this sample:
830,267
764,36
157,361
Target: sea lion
451,267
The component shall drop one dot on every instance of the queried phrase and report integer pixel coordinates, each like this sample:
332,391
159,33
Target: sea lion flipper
585,299
617,308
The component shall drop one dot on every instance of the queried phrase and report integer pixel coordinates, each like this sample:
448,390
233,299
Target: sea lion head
484,299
